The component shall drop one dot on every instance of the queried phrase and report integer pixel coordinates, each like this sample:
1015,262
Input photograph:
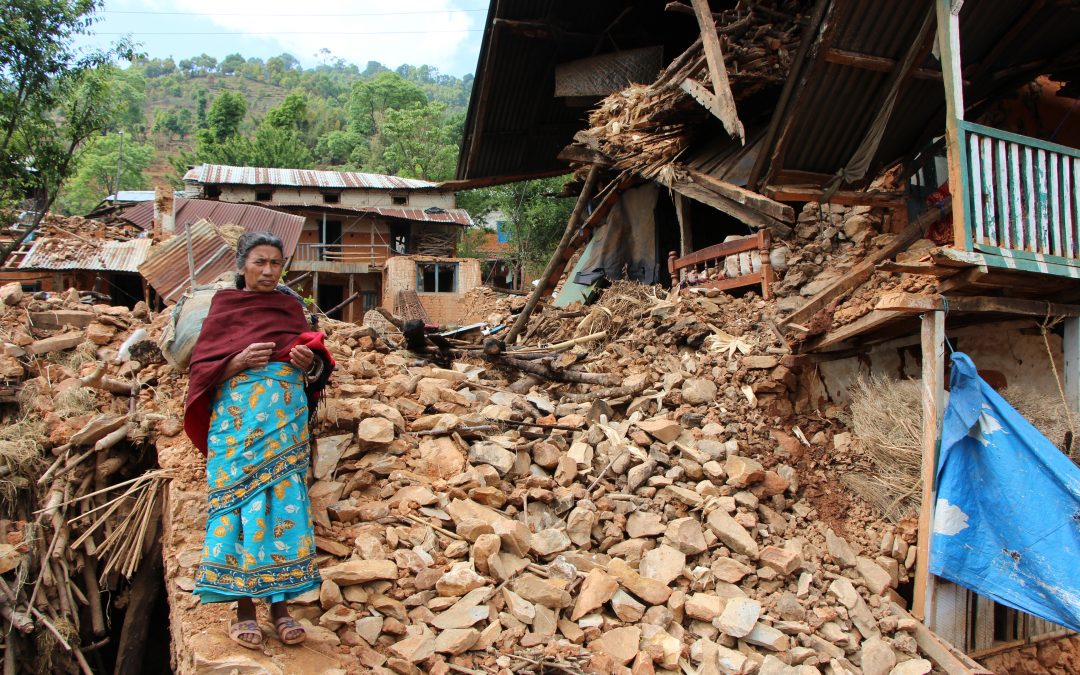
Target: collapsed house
880,172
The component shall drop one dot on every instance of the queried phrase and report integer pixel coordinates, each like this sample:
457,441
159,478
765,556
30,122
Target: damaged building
368,240
866,167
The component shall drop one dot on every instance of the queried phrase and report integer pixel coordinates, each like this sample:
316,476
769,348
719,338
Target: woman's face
262,268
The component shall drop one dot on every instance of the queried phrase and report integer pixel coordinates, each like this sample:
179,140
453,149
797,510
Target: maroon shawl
237,319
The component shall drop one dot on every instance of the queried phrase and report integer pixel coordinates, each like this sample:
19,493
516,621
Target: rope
1045,327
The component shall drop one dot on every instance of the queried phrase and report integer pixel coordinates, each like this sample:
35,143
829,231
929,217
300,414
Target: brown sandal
246,628
287,624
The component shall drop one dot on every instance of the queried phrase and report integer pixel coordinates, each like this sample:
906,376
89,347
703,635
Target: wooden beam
878,64
813,193
948,37
924,268
571,226
1071,367
714,57
579,154
933,405
753,200
861,325
900,301
686,230
947,657
860,273
747,215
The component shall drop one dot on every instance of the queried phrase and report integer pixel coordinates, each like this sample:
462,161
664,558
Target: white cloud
949,519
419,31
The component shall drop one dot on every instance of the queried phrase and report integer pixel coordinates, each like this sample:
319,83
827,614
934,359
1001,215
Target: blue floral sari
259,537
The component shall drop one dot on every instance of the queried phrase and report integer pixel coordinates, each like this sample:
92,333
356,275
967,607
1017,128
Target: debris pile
633,492
477,518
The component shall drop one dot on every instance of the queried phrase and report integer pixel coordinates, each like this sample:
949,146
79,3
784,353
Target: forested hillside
406,121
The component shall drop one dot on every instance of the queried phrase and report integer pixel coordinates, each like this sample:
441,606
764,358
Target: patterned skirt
259,538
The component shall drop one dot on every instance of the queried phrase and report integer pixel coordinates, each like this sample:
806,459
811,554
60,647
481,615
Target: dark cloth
237,319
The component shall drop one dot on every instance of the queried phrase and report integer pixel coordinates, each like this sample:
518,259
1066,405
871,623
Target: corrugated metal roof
166,267
217,174
435,215
835,104
251,217
61,253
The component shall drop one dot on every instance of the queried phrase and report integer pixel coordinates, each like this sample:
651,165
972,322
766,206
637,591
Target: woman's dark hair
250,240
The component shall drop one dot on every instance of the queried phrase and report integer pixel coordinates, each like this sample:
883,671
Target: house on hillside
368,239
933,143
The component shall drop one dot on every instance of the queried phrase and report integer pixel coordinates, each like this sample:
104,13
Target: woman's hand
255,355
302,357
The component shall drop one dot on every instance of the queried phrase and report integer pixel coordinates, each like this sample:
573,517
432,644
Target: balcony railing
1023,198
370,254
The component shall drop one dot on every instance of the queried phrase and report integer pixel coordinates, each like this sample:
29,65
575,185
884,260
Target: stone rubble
675,525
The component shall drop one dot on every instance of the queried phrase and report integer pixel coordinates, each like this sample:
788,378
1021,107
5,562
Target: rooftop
218,174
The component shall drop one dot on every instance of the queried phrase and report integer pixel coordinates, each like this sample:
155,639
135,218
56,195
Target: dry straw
886,420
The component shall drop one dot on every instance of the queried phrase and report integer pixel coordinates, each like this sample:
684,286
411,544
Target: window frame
420,286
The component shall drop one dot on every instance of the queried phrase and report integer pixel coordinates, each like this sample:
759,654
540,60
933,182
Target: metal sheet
217,174
166,266
60,253
251,217
607,73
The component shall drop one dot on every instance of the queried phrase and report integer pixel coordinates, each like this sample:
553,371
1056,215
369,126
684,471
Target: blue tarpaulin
1007,520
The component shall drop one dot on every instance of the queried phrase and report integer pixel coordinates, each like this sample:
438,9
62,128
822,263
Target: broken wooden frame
716,255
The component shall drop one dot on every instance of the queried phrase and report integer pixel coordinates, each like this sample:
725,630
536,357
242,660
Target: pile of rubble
473,517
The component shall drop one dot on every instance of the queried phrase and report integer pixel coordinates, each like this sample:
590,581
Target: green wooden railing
1023,198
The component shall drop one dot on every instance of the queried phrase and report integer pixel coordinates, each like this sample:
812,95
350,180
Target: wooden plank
1001,169
929,269
899,301
878,64
714,57
753,200
978,233
948,38
1066,207
989,213
813,193
1017,306
861,325
1042,219
722,250
947,657
1016,223
747,215
860,273
1030,222
933,404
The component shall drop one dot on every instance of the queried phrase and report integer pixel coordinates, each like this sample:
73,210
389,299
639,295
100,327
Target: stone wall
1052,657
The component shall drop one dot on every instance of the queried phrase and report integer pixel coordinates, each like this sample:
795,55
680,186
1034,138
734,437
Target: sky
441,33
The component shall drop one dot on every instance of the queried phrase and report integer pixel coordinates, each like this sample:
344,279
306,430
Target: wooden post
1071,368
933,405
686,232
352,292
948,37
571,226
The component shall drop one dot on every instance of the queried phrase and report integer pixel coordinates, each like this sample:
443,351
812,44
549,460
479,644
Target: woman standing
256,371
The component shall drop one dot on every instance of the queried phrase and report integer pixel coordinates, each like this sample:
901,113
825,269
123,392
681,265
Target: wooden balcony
1022,202
342,258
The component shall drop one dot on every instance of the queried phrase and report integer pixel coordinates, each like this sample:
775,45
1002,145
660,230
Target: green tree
232,63
53,98
202,99
533,218
225,115
95,177
370,99
419,142
290,114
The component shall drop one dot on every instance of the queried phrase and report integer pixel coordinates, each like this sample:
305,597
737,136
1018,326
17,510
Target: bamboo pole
571,226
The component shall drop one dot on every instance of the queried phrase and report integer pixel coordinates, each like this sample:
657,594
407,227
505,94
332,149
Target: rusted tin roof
217,174
166,267
428,215
248,216
61,253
